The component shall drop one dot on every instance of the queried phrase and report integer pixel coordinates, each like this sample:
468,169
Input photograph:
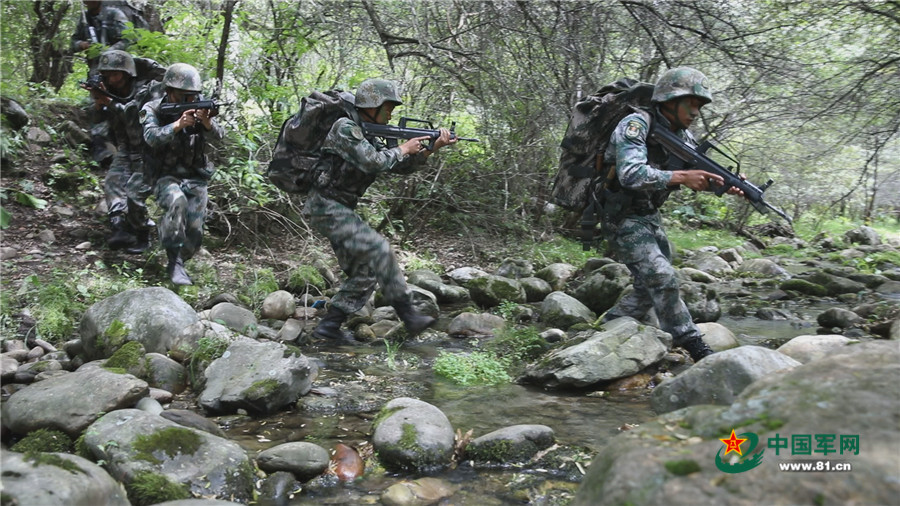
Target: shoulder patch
633,129
356,132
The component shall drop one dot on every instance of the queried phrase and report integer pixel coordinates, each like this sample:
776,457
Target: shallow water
579,419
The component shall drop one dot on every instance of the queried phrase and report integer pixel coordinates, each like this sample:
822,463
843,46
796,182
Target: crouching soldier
177,166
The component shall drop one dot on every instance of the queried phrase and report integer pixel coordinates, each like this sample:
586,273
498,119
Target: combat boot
696,347
329,328
142,242
120,237
414,321
175,269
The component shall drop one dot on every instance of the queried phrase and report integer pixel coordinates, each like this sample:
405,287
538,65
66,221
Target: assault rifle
685,157
392,133
94,83
177,109
91,31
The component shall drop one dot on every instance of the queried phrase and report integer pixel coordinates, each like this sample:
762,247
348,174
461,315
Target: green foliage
44,440
423,261
254,285
696,238
148,487
303,277
871,263
473,368
518,345
208,349
682,467
49,459
559,250
508,310
128,356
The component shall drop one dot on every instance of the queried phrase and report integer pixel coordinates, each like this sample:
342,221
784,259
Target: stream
580,419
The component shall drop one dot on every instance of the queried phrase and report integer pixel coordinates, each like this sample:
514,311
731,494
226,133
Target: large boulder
135,443
490,291
600,291
672,460
623,349
718,378
71,402
562,311
508,445
260,377
57,478
410,434
153,316
808,348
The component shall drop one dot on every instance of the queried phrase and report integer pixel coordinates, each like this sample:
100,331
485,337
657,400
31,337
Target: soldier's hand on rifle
697,180
204,116
444,139
188,119
413,146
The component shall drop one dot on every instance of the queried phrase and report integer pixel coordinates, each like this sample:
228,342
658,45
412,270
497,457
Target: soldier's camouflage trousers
103,139
183,204
641,244
363,254
124,190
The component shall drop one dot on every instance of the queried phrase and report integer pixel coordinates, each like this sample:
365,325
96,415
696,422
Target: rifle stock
697,159
405,132
93,84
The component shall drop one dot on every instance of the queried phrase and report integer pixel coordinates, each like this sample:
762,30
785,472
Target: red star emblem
733,444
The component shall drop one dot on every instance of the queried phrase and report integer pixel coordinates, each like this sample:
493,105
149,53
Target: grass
474,368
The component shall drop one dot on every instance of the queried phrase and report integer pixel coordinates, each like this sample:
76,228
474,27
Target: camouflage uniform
353,162
350,164
633,227
123,185
108,25
178,170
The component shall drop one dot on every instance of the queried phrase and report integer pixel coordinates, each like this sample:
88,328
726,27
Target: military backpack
581,174
296,159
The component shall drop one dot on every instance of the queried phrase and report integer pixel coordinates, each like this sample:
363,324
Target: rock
463,275
133,442
433,283
149,405
536,289
718,337
347,463
515,268
557,275
304,460
475,325
37,136
277,489
236,318
46,236
72,402
153,316
808,348
718,378
701,300
409,434
8,253
420,492
260,377
291,330
190,419
490,291
698,276
563,311
57,478
764,267
710,263
278,305
515,444
804,287
838,317
835,285
165,373
623,349
14,113
862,235
851,393
600,291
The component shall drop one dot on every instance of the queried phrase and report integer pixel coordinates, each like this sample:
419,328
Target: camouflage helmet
117,60
183,77
374,92
682,82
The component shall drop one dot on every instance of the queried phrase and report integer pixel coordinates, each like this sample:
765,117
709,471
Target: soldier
99,27
352,162
126,210
177,168
631,219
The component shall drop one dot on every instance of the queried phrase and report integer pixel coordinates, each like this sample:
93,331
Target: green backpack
581,173
295,161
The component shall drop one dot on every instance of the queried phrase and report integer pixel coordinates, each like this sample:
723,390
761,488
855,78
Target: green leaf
5,218
30,200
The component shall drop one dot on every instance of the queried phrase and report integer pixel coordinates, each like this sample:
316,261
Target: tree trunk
50,62
227,12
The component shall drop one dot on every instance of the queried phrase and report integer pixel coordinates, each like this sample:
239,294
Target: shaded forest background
806,93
